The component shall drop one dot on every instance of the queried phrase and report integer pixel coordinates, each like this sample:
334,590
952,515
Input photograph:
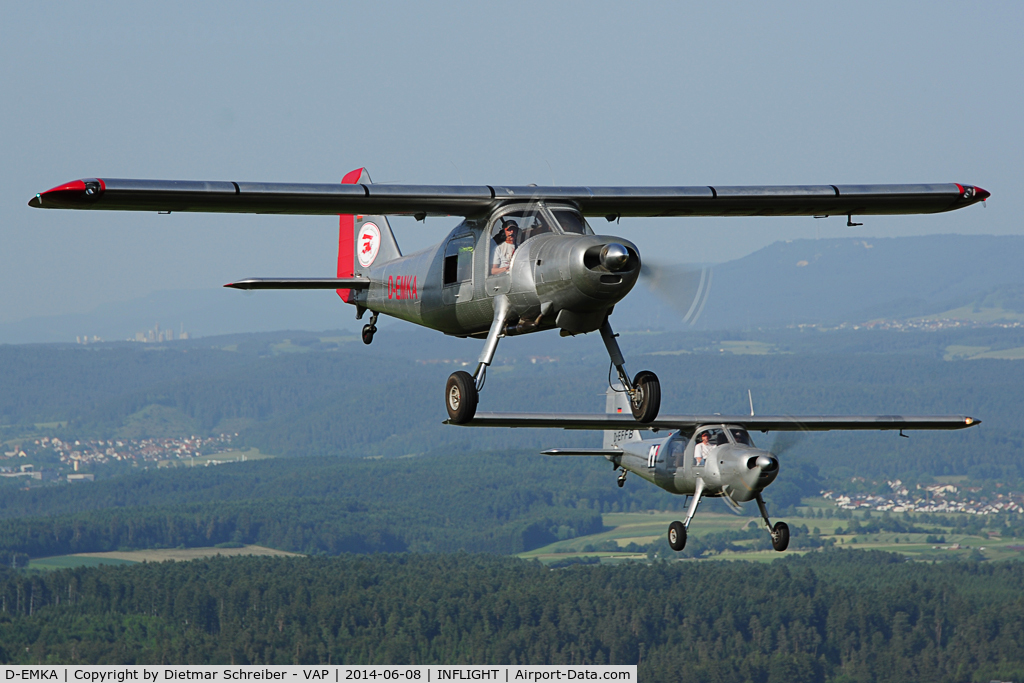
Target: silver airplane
704,455
524,260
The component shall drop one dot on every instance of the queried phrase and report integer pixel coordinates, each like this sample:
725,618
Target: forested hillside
494,502
835,616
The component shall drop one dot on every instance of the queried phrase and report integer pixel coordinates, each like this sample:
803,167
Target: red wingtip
69,194
73,186
981,194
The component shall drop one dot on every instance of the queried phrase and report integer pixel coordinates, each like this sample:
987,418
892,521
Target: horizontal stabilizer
302,283
761,423
582,451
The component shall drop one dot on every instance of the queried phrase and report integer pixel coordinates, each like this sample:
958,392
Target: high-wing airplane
704,455
524,260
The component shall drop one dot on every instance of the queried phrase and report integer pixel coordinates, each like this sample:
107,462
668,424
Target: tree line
833,616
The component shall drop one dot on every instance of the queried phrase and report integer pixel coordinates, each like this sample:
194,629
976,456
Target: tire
621,482
677,536
460,397
368,331
780,536
649,388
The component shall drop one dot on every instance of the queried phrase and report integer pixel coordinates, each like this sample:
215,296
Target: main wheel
677,536
648,388
460,397
368,331
780,536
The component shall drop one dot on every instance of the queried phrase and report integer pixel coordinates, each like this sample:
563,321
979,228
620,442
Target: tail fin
617,401
363,241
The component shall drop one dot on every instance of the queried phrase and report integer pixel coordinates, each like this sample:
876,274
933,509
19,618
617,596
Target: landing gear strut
463,390
677,530
621,481
645,389
779,532
370,329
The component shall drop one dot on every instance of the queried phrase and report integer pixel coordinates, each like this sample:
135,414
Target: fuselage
730,465
555,278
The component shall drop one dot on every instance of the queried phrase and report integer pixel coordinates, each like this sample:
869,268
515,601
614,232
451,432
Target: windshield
571,222
741,436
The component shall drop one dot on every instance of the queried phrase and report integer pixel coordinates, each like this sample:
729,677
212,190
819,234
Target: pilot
503,252
702,450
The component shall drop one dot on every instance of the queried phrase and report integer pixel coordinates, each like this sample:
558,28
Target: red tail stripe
347,238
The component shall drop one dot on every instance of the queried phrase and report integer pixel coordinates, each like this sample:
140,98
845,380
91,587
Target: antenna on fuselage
750,397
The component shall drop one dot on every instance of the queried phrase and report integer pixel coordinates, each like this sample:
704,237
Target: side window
458,260
505,237
707,441
510,231
676,448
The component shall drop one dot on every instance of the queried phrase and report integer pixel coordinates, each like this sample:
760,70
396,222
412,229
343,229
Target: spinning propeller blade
684,288
785,441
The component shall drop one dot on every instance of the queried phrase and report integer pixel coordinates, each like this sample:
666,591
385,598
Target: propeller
683,287
785,441
734,507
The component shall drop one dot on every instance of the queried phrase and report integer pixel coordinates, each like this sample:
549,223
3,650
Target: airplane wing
302,283
765,423
582,451
113,194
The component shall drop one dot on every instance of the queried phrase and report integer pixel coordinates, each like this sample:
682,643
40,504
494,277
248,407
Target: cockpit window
741,436
707,441
716,437
511,230
571,222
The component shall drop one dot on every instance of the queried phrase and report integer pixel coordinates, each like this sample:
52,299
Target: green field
644,528
225,456
68,561
634,527
977,314
157,555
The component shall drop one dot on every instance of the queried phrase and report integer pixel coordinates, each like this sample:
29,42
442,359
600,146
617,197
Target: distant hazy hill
803,281
856,280
200,312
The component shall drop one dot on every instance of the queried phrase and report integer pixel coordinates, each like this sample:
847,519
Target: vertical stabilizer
617,401
363,241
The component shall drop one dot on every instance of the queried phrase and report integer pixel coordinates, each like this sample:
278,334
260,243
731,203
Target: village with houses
51,458
939,497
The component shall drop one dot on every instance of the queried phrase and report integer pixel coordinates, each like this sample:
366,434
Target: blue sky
566,93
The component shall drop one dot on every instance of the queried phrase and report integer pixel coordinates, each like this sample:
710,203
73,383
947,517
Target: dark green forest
836,616
480,502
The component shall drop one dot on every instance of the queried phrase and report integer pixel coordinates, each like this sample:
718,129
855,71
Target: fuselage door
457,271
